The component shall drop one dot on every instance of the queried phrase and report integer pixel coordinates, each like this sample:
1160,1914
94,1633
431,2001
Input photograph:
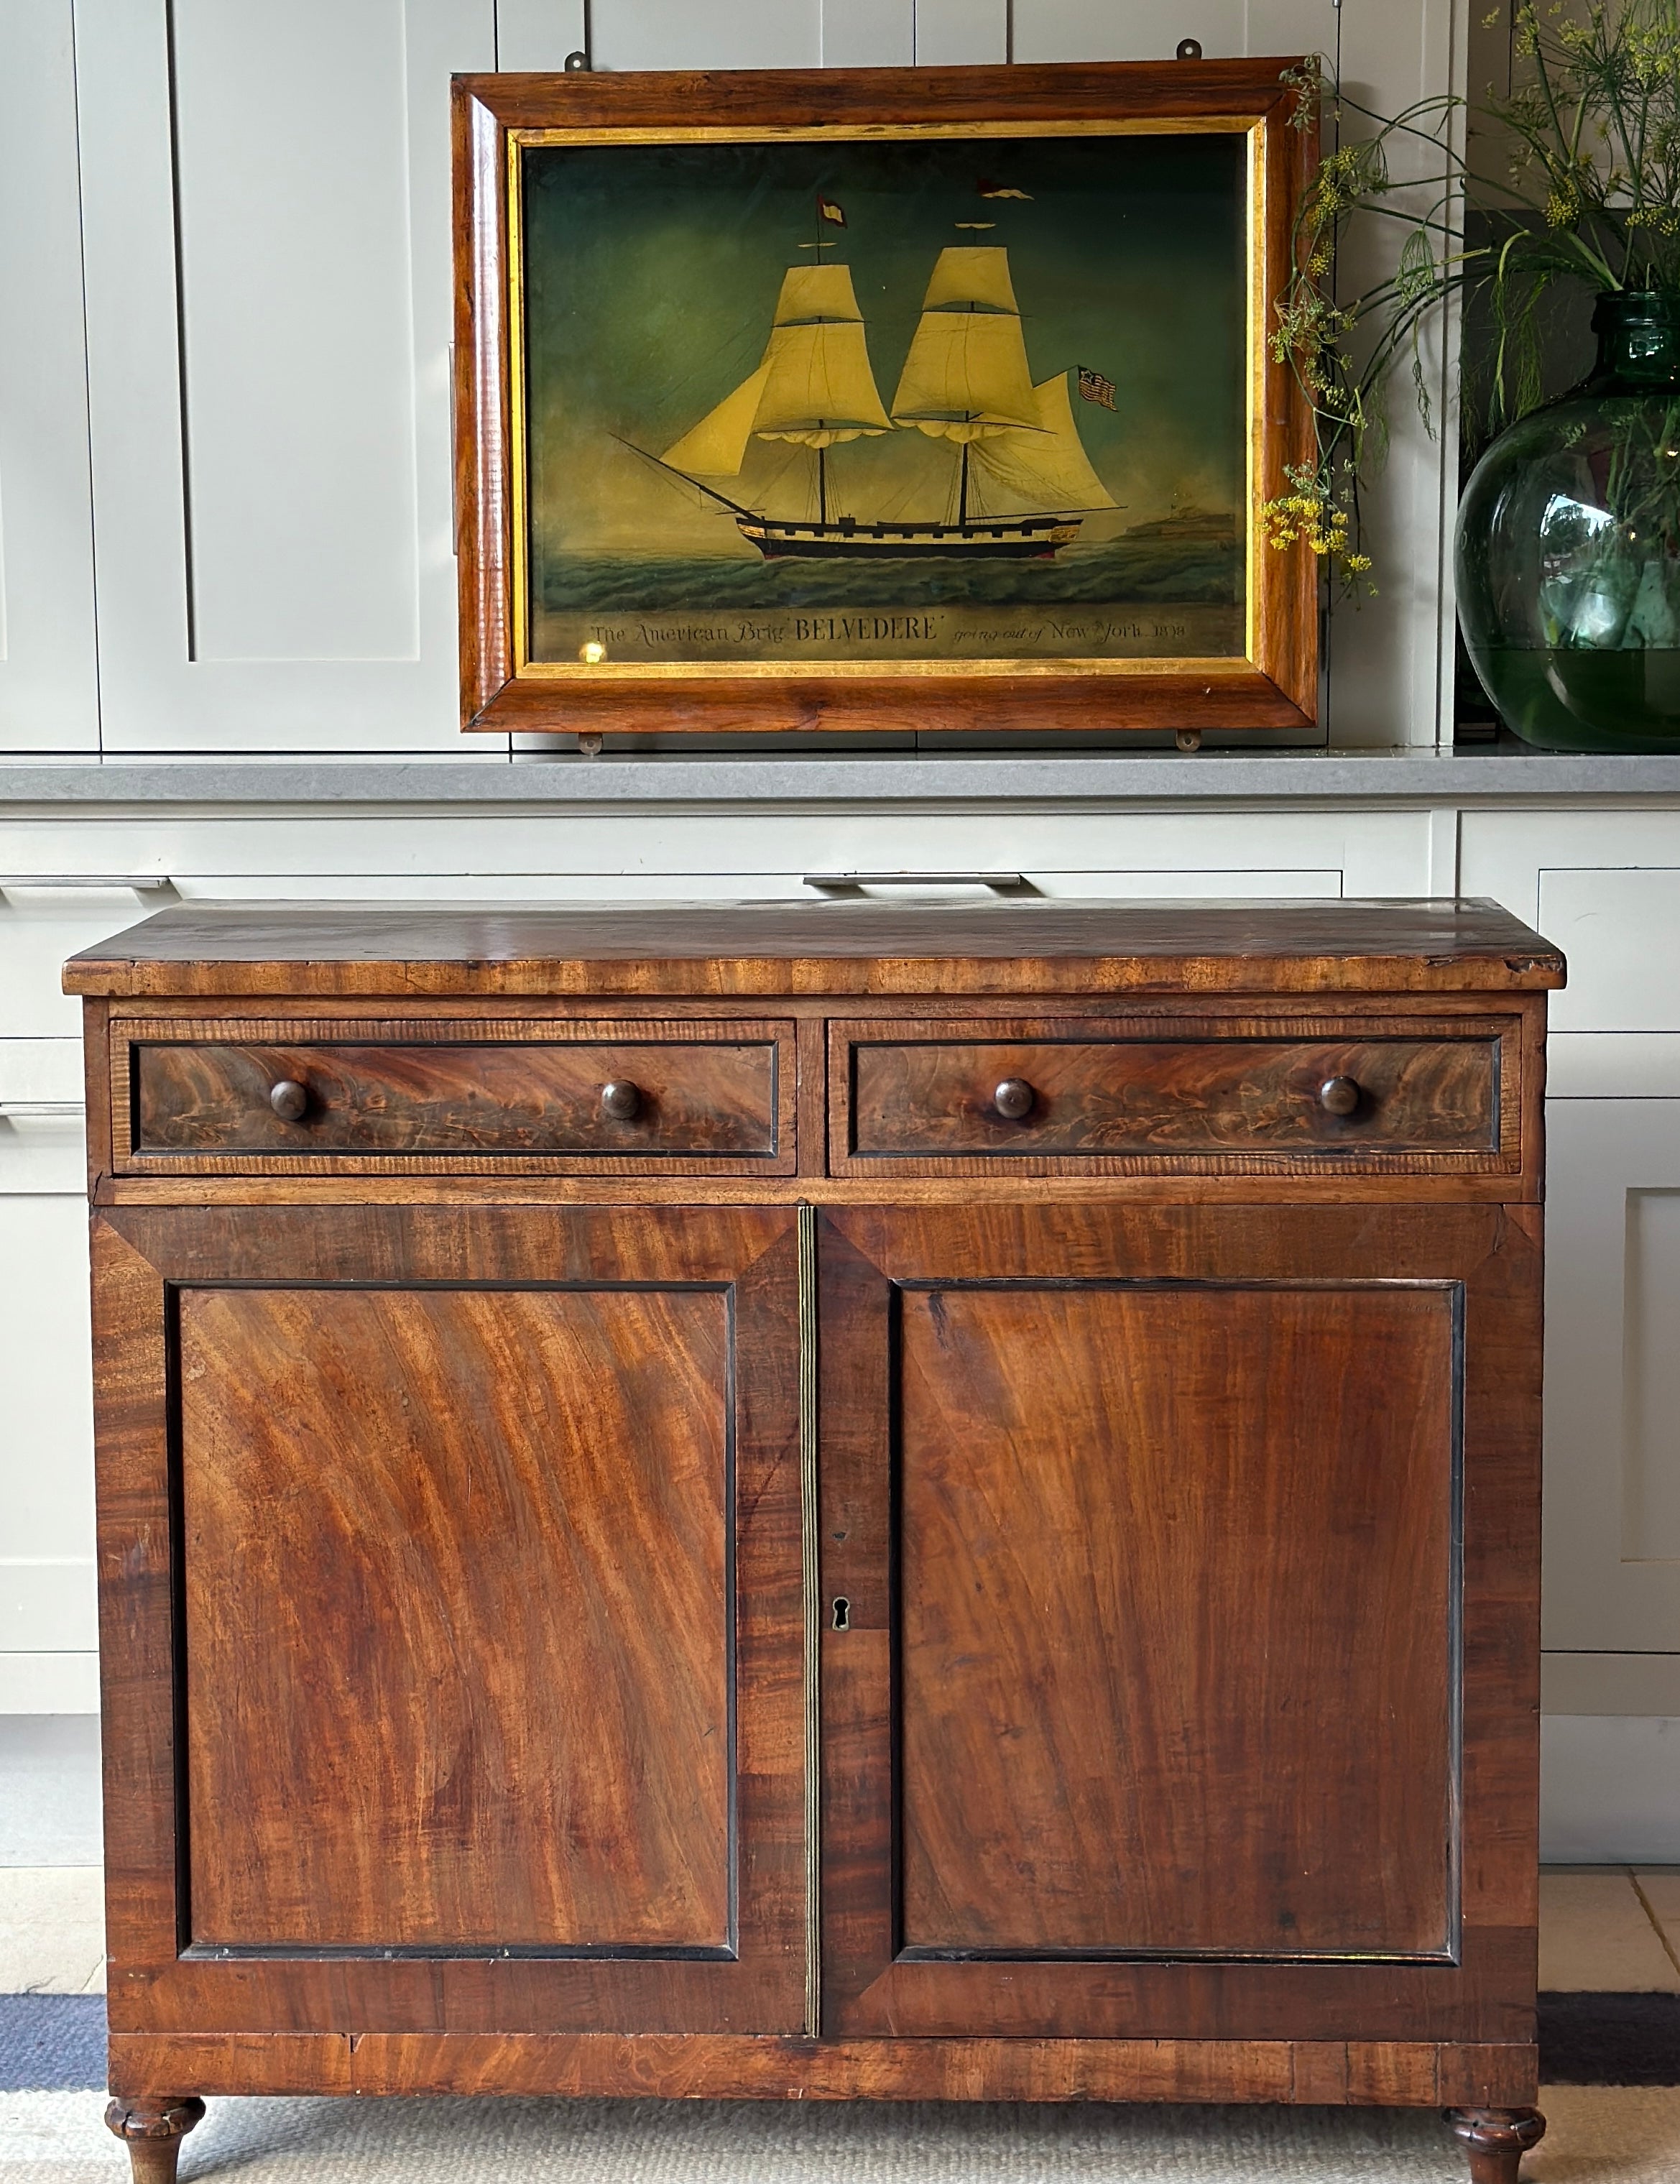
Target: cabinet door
1179,1658
450,1559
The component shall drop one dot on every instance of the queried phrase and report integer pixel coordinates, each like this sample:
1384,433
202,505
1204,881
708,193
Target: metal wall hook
583,63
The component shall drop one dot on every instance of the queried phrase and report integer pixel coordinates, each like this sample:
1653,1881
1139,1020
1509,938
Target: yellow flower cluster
1312,514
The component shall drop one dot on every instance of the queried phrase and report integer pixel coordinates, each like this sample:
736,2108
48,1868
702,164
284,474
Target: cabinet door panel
468,1540
1174,1619
457,1617
49,698
262,188
1188,1563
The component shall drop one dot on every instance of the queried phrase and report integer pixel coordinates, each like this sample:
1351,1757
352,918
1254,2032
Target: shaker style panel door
483,1544
49,698
1145,1693
266,221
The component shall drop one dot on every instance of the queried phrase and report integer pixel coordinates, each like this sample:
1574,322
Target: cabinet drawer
700,1095
1339,1093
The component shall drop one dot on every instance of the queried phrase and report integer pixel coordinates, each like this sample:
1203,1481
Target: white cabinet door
266,220
703,33
48,690
868,33
1612,1581
48,1639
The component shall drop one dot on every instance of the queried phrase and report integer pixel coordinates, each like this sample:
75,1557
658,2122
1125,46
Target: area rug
1599,2134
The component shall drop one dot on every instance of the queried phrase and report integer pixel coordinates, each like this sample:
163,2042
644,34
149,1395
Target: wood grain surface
456,1569
1175,1647
1098,1458
448,1098
448,1526
1274,687
1352,2073
1090,949
441,1515
937,1099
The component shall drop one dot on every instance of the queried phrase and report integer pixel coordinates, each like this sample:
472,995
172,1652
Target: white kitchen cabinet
48,1638
1613,1377
48,685
266,236
702,34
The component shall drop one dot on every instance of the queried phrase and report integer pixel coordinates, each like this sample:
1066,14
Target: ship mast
815,386
967,378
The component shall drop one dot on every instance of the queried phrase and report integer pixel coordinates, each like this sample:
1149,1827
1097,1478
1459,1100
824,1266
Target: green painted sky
651,275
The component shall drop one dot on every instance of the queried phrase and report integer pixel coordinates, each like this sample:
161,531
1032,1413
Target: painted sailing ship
1022,483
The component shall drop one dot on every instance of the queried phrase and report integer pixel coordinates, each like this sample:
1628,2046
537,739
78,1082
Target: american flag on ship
1094,387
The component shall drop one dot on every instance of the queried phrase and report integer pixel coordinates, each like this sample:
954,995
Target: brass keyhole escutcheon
843,1614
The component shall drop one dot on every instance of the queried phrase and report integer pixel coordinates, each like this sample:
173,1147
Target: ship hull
1033,539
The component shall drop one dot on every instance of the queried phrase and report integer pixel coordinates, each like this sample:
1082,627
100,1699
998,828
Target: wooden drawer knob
1014,1098
290,1099
1338,1095
621,1102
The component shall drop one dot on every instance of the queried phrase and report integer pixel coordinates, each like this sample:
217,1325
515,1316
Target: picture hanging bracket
583,62
1189,49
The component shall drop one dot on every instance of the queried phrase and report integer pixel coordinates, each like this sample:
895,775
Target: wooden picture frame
1247,661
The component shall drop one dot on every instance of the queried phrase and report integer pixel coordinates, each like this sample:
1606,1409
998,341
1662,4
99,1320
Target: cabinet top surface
835,946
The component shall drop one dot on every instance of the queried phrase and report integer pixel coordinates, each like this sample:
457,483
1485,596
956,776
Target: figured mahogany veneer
931,1092
816,1583
457,1091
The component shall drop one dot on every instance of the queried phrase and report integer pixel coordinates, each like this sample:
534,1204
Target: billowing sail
815,385
1030,473
716,446
821,388
966,376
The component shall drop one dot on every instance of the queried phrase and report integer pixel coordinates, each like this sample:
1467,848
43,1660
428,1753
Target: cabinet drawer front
1336,1097
493,1093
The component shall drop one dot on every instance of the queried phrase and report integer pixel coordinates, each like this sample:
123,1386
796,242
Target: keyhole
843,1614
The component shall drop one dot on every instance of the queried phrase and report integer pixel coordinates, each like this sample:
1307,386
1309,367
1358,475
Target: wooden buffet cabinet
827,1500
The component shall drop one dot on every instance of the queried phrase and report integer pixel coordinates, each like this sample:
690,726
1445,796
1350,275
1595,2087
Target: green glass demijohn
1568,549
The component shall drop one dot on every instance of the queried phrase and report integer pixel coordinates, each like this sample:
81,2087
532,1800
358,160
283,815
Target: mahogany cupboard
821,1500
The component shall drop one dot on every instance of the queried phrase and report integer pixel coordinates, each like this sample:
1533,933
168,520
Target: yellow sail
819,387
969,276
716,446
1032,473
966,376
815,385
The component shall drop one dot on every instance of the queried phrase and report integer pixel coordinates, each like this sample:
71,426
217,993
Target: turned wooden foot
1496,2140
152,2131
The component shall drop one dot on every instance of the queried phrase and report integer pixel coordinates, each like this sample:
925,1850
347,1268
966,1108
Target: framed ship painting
930,398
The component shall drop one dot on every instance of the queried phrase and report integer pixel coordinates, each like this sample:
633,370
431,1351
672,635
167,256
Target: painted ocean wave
1146,573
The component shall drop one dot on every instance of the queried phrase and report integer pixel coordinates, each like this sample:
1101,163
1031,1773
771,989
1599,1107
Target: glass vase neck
1638,342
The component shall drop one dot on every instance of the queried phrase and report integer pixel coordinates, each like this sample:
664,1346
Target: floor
51,1929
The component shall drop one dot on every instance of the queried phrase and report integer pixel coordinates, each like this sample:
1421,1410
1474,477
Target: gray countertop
1500,775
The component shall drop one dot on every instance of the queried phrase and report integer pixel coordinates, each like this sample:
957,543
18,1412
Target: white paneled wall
266,224
48,697
264,219
1605,886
